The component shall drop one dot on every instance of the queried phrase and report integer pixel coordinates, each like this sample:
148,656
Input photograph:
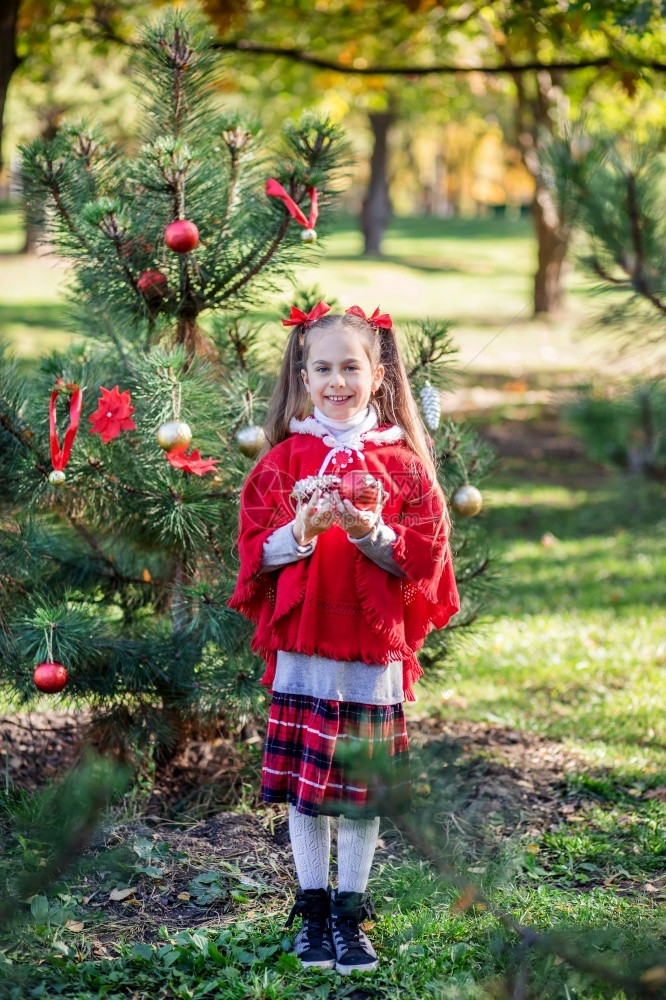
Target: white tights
311,844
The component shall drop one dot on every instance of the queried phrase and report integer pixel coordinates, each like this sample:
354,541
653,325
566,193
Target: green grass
31,313
576,645
476,272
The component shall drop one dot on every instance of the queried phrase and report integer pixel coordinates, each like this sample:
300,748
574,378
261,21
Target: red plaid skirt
317,753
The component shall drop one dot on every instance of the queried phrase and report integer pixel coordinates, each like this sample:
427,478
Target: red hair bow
298,318
275,190
382,320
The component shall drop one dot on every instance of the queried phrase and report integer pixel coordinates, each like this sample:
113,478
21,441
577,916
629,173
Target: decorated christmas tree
122,458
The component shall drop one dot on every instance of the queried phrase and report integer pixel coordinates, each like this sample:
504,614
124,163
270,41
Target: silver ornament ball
309,236
466,501
174,434
250,439
57,477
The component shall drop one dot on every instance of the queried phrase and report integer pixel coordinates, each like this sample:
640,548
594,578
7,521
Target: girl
342,599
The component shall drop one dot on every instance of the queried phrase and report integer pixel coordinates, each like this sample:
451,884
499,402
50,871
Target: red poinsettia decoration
191,463
112,414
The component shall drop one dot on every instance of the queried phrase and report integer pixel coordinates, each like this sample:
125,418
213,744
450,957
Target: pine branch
435,350
474,573
56,193
109,227
180,56
259,264
92,542
22,436
594,264
216,549
238,342
635,218
236,140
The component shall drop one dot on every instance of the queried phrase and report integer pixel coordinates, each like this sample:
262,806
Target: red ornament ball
361,488
50,677
152,284
181,236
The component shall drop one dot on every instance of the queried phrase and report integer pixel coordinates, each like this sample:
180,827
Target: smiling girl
342,597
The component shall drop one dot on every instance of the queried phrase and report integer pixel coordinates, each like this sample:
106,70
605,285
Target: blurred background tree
447,103
543,61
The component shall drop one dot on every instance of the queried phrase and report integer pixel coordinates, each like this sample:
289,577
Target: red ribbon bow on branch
298,318
377,320
60,458
275,190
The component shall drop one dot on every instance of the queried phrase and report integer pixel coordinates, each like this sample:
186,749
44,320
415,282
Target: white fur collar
310,425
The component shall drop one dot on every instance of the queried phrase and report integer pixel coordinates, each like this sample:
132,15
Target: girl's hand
313,517
357,523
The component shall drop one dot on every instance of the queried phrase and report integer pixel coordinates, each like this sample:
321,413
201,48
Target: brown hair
393,400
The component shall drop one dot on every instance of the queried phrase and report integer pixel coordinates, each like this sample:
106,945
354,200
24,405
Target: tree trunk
553,242
535,113
9,61
376,212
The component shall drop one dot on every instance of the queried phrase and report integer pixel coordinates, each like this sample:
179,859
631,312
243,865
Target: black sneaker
352,947
313,944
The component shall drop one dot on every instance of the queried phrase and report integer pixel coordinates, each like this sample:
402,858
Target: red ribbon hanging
298,318
275,190
60,458
382,320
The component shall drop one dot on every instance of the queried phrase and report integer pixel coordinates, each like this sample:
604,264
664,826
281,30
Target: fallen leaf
183,895
118,894
74,925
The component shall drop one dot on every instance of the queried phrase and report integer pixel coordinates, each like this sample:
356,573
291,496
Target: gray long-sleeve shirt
320,676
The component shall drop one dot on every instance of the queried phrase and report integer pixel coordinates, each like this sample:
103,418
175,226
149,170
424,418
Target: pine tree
611,192
122,573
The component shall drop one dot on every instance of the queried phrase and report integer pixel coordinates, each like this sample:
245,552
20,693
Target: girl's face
338,375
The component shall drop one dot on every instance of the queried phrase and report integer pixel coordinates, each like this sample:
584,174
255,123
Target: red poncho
337,602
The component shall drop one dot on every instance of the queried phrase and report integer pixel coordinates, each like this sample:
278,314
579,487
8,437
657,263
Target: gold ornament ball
249,440
309,236
57,477
174,434
466,501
